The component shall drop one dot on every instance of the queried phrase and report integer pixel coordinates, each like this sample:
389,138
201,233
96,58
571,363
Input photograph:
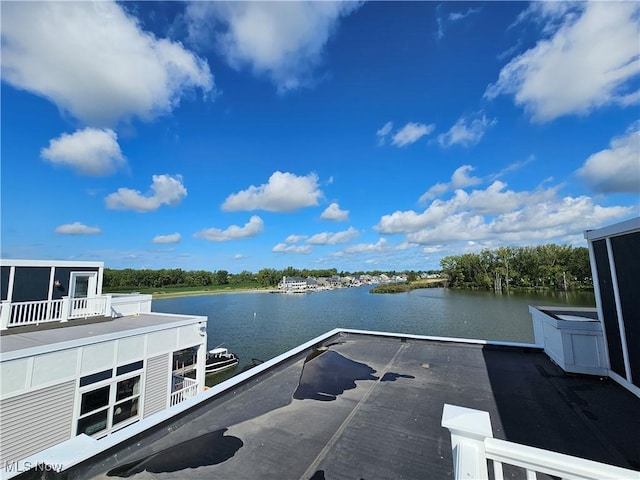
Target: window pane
129,368
94,400
96,377
128,388
94,423
81,287
125,410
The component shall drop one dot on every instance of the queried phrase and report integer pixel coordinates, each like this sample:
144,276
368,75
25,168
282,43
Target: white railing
14,314
474,449
183,388
87,307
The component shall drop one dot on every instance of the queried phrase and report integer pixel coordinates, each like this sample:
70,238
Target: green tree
222,277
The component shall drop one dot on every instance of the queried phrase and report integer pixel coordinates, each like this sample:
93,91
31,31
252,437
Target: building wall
626,249
32,422
40,394
32,279
30,284
4,282
616,271
156,384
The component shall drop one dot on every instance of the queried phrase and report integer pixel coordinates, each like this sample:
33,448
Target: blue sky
359,136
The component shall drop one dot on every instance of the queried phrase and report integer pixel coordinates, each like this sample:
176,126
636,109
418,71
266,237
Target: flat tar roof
370,407
49,334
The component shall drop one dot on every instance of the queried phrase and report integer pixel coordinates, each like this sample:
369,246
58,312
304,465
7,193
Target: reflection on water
392,377
329,374
263,325
208,449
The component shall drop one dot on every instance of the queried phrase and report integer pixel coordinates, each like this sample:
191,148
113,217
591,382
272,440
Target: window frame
112,382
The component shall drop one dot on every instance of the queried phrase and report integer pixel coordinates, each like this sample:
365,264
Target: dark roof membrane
370,407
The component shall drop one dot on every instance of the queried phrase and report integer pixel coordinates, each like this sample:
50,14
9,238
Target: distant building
293,283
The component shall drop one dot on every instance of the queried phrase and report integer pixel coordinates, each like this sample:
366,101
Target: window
83,284
107,402
127,396
93,411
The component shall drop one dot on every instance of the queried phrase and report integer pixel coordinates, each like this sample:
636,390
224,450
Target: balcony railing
475,450
182,389
14,314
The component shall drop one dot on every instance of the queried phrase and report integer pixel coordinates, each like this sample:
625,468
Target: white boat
220,359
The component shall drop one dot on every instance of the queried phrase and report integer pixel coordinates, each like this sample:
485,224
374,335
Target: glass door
82,288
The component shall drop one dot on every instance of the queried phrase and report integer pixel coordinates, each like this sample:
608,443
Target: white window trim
92,288
112,381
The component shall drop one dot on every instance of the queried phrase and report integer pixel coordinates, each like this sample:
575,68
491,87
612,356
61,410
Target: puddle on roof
392,376
329,375
208,449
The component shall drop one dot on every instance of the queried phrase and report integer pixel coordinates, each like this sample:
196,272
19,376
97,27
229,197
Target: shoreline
198,293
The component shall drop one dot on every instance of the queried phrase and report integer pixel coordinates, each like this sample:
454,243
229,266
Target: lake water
263,325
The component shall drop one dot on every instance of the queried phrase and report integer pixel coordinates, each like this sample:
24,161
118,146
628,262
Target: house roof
19,342
369,406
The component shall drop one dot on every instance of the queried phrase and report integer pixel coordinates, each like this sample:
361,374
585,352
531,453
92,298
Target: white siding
97,357
14,375
130,349
156,387
33,422
53,368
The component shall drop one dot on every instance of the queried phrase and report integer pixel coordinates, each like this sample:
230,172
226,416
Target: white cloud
456,16
411,133
76,228
253,227
239,256
165,190
90,151
467,131
444,21
383,132
499,215
406,246
94,61
587,63
616,169
284,248
172,238
329,238
284,192
512,167
283,41
295,238
410,221
333,212
459,179
379,246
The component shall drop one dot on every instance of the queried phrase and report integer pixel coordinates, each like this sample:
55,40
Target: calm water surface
263,325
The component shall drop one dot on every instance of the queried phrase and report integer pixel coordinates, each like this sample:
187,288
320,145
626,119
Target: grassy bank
407,286
171,292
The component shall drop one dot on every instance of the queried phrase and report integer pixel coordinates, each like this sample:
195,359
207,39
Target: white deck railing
474,450
13,314
183,388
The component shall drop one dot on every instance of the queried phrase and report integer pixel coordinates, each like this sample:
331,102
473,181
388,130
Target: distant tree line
129,278
545,266
146,278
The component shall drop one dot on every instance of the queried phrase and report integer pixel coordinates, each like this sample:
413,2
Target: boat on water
220,359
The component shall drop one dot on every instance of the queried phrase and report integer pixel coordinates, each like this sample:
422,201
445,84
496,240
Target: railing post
468,429
5,314
66,309
107,306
